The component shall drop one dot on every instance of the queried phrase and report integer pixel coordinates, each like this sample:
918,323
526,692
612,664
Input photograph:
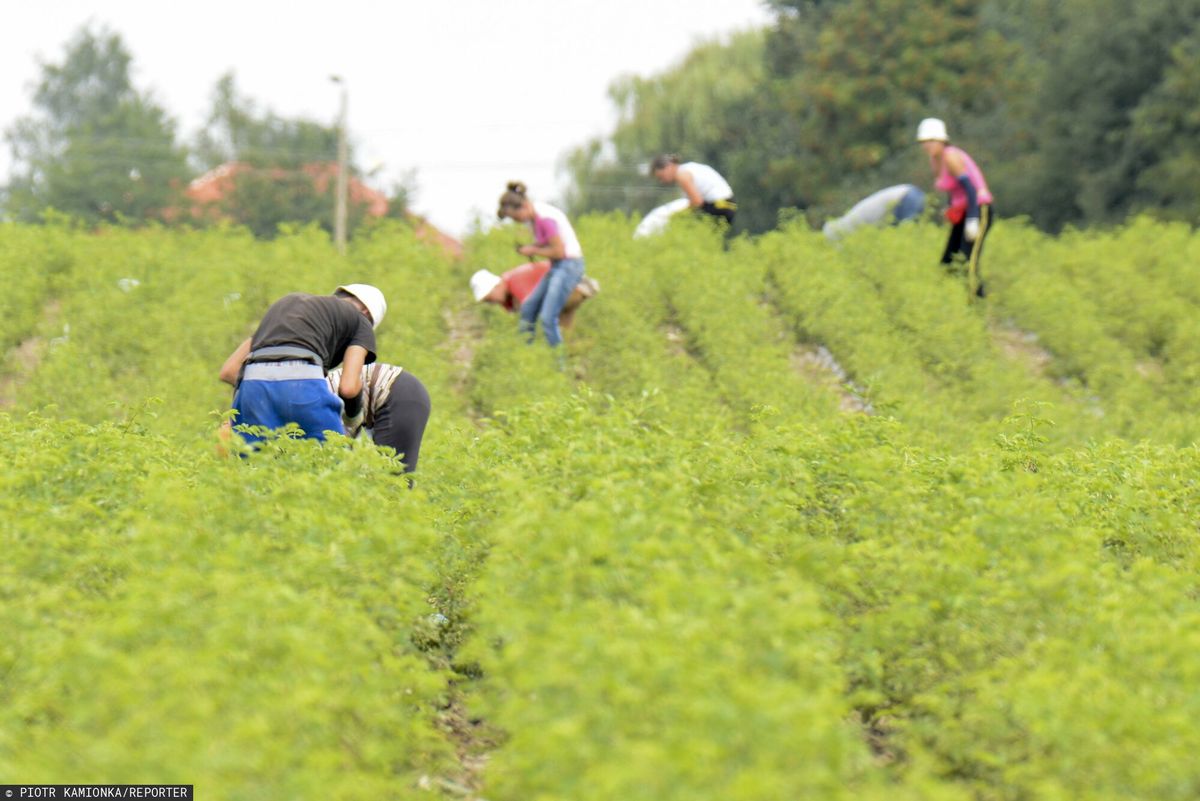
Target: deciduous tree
95,148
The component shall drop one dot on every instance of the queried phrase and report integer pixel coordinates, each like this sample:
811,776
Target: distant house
205,193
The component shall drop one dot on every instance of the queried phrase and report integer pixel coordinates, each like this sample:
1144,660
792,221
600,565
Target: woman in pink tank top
970,210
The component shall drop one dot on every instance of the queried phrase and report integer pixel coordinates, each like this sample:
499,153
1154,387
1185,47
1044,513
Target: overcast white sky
470,93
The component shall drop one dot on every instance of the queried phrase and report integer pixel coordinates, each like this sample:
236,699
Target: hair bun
516,186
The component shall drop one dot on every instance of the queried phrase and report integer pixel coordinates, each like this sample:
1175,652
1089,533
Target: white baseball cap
932,129
371,297
482,283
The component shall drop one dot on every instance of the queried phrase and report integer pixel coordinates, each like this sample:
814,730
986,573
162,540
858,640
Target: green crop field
796,521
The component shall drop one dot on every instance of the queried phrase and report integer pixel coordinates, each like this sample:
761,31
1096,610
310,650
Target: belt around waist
282,353
283,371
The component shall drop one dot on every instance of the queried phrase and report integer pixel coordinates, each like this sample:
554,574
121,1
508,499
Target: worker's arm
233,365
554,249
350,387
695,199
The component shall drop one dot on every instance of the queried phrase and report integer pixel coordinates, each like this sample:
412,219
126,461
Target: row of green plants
173,616
153,313
665,566
262,628
978,587
1116,310
831,611
954,573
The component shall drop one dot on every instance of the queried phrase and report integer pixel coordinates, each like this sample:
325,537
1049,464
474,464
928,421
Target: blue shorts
271,396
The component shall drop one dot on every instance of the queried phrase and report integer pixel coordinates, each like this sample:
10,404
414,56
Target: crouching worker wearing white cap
396,409
510,289
279,373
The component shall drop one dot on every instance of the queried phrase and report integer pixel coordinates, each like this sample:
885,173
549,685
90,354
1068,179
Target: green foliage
236,651
678,567
97,149
266,200
1099,75
870,72
1165,127
691,110
238,130
290,161
1078,112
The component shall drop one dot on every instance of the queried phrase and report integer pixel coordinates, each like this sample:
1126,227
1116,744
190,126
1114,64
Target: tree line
99,150
1081,112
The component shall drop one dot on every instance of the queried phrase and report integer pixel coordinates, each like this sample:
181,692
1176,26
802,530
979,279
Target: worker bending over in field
279,373
511,289
970,210
705,189
396,408
658,218
893,205
554,239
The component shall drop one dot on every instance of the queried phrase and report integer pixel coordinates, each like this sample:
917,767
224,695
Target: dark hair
662,161
513,198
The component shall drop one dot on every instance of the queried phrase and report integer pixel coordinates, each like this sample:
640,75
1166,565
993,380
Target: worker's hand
971,229
527,250
353,412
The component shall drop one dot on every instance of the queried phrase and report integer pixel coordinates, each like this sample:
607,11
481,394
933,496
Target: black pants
400,422
725,209
972,252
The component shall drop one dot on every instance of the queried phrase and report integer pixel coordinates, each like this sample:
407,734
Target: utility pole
339,212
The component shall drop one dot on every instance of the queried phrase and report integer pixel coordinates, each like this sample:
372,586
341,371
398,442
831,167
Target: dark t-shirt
324,324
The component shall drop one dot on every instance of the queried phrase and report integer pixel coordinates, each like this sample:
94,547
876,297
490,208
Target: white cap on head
370,297
932,129
482,283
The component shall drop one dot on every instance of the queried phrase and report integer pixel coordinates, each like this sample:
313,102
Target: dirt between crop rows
22,360
1022,347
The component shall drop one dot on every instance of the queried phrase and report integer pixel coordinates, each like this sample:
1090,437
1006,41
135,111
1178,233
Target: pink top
544,229
949,183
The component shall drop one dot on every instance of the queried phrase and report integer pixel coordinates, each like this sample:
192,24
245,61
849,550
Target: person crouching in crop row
890,206
509,290
278,374
554,239
396,408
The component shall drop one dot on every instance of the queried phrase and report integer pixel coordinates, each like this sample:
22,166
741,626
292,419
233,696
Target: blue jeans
546,301
307,402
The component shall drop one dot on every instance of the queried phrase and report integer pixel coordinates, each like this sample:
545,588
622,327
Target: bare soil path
23,360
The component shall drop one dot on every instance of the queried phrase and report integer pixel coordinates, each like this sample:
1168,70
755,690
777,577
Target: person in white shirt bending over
891,206
704,187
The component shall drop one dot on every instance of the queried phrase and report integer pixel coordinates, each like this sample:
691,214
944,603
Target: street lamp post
339,212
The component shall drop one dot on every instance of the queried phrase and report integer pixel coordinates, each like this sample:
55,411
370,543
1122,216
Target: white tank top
708,181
